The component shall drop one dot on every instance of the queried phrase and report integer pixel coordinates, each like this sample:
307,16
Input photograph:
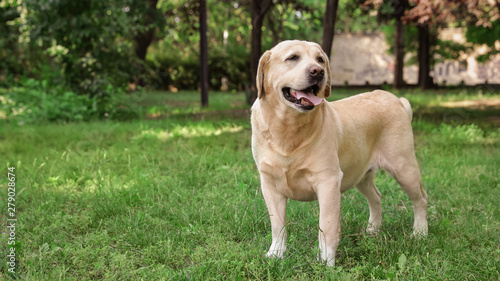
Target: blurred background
88,55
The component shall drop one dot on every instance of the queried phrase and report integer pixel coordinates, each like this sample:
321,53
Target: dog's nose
317,72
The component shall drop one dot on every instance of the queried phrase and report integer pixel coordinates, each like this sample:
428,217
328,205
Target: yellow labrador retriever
309,149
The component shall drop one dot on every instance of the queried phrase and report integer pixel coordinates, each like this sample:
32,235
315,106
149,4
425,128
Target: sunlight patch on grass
190,131
473,104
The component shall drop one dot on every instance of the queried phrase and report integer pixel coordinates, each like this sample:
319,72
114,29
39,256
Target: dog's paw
327,256
420,231
275,254
372,230
419,234
328,262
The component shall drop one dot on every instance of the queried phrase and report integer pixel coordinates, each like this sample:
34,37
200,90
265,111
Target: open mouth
305,99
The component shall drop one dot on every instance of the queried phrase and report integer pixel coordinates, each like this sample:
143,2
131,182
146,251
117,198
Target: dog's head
298,72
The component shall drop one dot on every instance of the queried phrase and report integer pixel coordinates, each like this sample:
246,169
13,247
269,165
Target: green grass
177,198
158,104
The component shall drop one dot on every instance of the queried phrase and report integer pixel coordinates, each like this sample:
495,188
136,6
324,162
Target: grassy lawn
176,196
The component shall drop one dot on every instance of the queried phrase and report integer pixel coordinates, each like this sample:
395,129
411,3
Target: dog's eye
321,60
292,58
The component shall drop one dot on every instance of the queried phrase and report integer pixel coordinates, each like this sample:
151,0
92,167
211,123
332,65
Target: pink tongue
310,97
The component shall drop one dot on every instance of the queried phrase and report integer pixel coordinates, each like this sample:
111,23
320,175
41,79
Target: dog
307,149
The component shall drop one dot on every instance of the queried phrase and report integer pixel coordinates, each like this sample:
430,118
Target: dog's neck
291,130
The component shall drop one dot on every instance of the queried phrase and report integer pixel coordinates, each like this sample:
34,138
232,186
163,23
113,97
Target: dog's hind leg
404,168
369,190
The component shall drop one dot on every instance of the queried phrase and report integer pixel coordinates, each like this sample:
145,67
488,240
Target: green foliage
181,33
354,16
9,47
63,57
36,101
293,20
410,33
90,35
484,35
448,50
170,69
89,46
232,64
173,61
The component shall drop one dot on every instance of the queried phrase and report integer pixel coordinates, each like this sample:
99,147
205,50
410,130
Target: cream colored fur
317,154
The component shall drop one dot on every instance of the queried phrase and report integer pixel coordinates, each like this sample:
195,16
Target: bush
233,64
38,101
35,102
168,69
171,71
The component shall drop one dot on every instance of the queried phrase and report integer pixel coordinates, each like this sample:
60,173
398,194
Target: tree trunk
329,25
276,27
144,39
399,50
203,53
424,78
258,11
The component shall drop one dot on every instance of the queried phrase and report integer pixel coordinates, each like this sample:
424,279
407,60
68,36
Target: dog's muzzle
305,99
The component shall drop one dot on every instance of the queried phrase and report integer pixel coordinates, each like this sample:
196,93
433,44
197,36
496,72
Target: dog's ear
328,89
260,79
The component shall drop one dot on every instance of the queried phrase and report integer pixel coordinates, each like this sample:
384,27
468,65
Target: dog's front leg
276,206
329,220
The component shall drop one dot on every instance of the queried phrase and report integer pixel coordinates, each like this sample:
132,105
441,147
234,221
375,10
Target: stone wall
361,59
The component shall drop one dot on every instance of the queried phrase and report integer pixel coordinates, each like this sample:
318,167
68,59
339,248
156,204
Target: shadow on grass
238,113
485,113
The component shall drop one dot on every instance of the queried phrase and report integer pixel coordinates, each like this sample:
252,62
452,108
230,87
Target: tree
329,25
424,59
399,44
174,61
428,14
394,10
423,14
149,18
203,53
259,9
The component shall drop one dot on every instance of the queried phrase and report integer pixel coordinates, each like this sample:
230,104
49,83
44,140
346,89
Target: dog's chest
295,183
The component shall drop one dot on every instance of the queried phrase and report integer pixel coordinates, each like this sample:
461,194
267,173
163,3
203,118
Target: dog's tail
407,106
